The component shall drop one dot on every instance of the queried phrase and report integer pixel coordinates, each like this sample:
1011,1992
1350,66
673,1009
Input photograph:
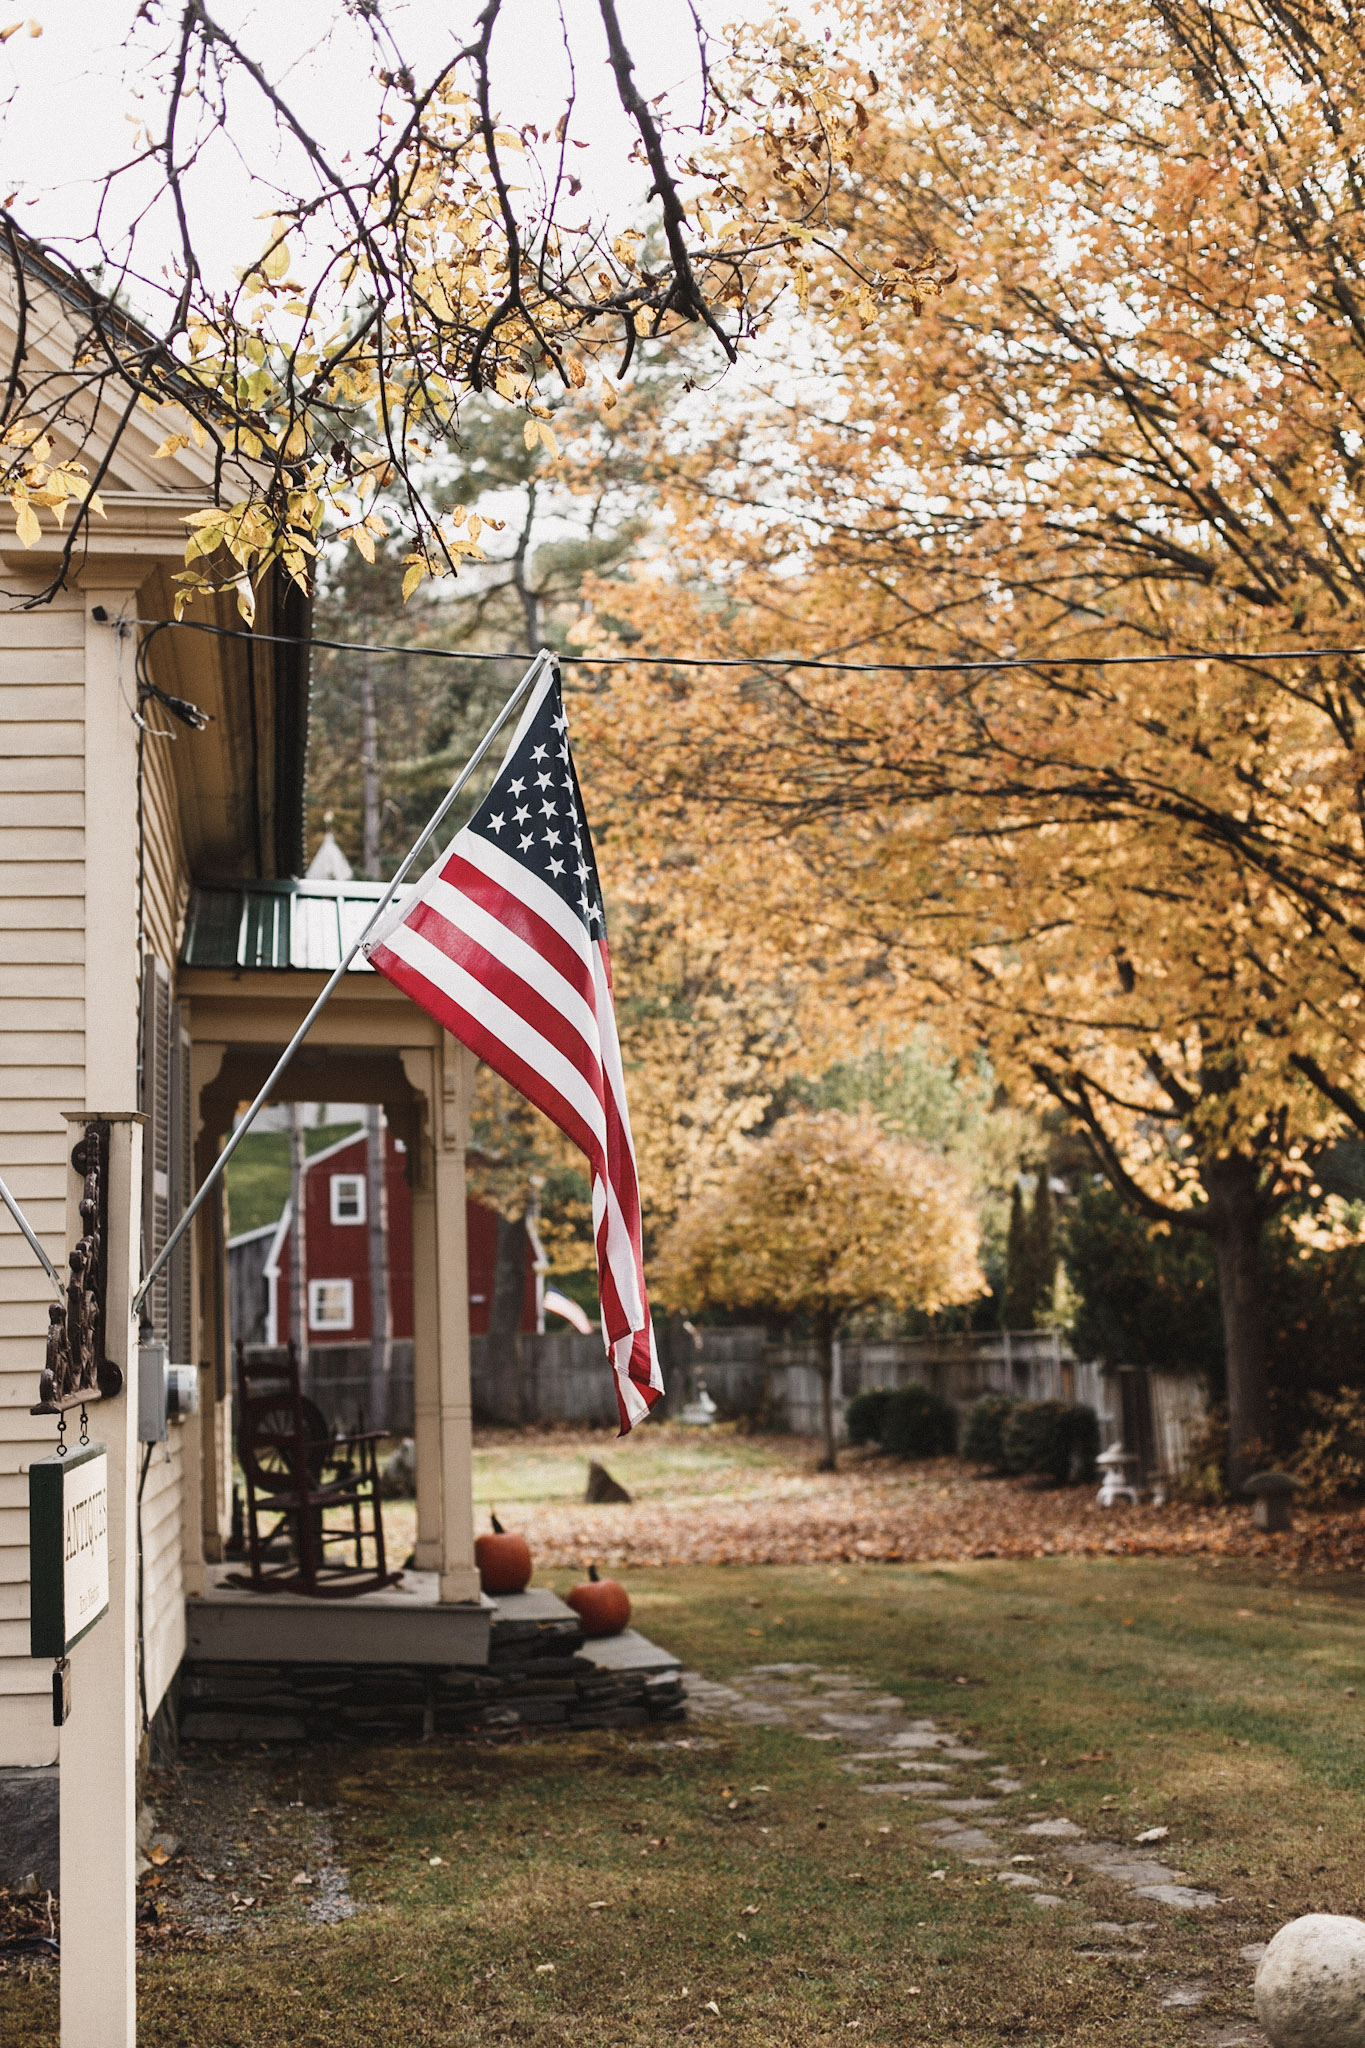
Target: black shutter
164,1099
181,1322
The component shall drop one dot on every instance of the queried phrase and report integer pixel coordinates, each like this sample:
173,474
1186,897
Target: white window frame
354,1185
318,1321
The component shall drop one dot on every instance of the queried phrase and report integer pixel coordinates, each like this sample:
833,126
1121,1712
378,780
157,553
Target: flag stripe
552,1082
497,943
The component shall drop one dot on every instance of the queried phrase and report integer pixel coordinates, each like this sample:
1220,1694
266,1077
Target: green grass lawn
1122,1694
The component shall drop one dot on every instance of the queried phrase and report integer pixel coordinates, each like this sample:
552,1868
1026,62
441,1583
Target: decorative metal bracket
76,1370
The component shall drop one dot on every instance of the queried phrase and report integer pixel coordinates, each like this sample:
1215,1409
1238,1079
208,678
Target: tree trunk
824,1353
369,779
1236,1220
509,1278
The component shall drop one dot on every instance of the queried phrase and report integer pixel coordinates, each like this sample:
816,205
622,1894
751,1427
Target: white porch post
442,1416
459,1578
99,1744
419,1066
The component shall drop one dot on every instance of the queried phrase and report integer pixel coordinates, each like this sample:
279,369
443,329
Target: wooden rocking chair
297,1470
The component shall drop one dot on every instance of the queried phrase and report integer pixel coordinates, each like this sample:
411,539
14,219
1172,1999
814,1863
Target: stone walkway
979,1810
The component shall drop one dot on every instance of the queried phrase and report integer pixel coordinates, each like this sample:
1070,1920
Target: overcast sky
72,98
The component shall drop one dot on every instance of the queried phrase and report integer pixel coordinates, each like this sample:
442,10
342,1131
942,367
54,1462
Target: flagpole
17,1213
216,1171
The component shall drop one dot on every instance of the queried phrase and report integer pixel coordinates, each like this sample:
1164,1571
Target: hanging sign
68,1512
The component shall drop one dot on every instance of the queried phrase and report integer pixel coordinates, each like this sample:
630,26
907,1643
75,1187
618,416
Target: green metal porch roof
296,926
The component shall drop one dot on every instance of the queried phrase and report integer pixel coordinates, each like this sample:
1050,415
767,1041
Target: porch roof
291,926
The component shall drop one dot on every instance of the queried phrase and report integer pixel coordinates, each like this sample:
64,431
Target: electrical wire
783,661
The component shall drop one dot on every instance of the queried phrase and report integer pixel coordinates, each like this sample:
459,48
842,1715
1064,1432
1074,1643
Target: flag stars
542,782
526,844
556,867
496,824
516,788
522,814
539,753
547,809
552,839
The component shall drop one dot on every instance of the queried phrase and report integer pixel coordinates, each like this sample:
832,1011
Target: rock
1310,1986
602,1487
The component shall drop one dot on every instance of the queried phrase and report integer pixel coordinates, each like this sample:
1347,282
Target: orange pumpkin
504,1561
602,1605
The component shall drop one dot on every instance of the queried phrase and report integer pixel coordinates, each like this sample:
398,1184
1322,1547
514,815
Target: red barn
337,1253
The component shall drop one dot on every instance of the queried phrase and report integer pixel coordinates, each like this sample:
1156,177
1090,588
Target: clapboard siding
29,771
42,1073
163,1609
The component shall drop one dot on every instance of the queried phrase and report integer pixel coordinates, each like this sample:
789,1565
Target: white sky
66,99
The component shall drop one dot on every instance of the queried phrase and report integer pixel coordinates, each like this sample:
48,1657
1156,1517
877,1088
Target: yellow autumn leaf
364,542
297,443
530,433
275,263
26,522
412,577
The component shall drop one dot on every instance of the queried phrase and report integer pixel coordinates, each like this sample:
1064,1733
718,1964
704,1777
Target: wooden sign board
68,1508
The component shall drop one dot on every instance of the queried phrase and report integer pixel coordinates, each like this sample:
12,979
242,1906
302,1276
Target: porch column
442,1419
459,1579
99,1743
426,1321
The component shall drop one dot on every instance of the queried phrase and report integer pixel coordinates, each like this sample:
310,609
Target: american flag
505,943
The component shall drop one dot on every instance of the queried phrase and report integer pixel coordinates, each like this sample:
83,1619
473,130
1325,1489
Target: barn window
331,1305
348,1198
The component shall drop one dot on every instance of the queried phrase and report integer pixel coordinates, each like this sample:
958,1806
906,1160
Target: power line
785,661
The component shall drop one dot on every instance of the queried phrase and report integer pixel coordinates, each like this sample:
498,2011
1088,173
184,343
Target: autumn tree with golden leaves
823,1216
1134,426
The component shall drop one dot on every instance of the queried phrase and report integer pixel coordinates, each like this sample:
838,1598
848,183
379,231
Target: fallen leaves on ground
875,1511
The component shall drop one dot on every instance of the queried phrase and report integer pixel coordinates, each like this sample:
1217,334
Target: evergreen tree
1043,1245
1018,1302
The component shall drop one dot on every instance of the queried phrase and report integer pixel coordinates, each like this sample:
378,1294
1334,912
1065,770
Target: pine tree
1018,1303
1042,1246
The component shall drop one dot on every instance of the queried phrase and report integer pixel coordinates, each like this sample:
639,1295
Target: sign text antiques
68,1502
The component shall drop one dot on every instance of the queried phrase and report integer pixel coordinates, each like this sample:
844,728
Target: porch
254,956
281,1668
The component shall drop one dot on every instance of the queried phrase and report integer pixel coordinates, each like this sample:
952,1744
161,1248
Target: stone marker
1272,1493
1310,1984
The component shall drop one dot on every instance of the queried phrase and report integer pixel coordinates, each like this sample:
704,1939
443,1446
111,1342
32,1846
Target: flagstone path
979,1817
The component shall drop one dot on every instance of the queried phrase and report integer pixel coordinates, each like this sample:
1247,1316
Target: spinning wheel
296,1471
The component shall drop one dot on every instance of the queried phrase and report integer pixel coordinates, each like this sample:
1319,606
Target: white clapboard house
156,954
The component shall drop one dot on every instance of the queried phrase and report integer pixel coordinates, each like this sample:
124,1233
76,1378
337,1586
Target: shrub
918,1424
865,1416
983,1442
1331,1456
1052,1439
1083,1427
